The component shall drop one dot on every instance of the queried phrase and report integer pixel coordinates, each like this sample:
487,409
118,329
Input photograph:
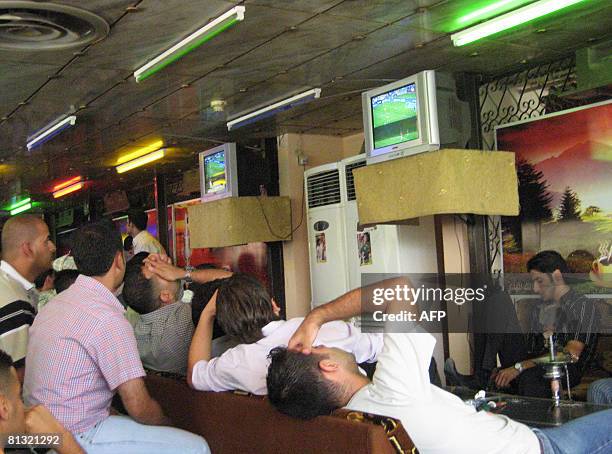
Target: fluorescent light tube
141,152
275,108
194,40
20,203
67,183
141,161
21,208
68,190
510,19
49,132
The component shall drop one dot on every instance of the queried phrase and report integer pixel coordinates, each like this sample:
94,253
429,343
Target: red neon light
68,190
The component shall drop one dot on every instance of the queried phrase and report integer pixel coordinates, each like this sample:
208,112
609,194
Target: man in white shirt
143,241
27,251
308,381
246,312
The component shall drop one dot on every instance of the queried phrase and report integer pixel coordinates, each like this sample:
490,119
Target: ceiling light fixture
48,132
273,109
68,187
142,160
21,206
511,19
141,151
188,44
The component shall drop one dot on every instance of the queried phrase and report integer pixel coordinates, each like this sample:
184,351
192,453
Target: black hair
244,307
95,246
296,386
40,279
138,291
128,243
138,217
202,293
64,279
547,262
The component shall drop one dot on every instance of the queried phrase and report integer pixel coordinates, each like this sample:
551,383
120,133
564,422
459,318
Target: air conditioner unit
326,236
383,248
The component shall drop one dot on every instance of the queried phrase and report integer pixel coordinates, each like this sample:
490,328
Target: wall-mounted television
401,118
218,176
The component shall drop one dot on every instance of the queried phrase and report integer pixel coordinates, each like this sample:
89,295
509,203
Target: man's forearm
201,344
351,304
152,415
207,275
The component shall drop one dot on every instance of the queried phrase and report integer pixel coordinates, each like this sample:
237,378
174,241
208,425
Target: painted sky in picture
572,149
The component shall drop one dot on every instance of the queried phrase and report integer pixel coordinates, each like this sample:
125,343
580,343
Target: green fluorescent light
509,20
20,203
480,13
21,209
194,40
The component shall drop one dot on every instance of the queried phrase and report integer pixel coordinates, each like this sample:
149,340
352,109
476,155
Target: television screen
394,116
214,171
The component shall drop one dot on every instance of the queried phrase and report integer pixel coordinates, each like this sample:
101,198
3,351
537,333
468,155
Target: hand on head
304,337
161,265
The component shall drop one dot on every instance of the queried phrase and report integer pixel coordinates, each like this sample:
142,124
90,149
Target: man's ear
5,408
26,249
166,297
275,308
327,365
557,278
119,260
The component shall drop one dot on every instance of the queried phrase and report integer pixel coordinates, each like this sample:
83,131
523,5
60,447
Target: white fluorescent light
141,161
51,131
272,109
511,19
194,40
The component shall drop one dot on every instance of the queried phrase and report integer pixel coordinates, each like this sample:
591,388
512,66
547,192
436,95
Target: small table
533,411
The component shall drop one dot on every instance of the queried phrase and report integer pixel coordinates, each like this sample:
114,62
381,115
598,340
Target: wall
319,150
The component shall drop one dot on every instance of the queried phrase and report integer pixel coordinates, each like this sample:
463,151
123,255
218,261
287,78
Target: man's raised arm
343,307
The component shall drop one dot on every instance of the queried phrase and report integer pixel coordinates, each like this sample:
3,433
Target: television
401,118
218,176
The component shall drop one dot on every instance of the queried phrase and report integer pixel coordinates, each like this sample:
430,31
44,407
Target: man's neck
561,292
22,268
107,282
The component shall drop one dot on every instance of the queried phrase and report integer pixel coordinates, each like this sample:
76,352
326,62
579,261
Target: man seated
164,327
15,419
570,316
246,312
82,351
308,381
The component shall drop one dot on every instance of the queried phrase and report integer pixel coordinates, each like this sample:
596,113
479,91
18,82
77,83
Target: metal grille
526,94
350,180
324,188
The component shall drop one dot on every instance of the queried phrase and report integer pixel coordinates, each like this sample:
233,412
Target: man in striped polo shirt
27,251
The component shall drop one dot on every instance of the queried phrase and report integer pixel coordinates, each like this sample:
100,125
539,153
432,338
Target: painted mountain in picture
564,167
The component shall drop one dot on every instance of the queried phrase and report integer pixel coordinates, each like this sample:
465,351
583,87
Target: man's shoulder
10,290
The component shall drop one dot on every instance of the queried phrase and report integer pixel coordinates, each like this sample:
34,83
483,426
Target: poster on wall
564,167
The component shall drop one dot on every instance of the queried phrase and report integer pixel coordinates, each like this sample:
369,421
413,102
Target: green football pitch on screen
394,121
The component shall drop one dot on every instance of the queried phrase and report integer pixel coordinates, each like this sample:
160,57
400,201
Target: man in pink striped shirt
82,350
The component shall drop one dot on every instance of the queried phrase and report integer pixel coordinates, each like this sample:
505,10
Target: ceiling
280,48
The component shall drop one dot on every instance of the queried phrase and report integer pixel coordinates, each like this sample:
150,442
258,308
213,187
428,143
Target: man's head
64,279
27,245
244,307
305,386
45,280
12,410
137,221
145,291
546,269
98,252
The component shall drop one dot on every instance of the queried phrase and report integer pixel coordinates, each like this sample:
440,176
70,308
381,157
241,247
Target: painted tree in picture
570,206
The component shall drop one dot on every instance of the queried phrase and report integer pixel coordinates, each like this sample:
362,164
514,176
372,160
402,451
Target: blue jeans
600,392
591,434
121,434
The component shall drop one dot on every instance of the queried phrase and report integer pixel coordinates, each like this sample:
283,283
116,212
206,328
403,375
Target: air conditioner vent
323,188
350,180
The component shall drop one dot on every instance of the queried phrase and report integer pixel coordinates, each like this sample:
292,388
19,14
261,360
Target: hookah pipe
556,366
